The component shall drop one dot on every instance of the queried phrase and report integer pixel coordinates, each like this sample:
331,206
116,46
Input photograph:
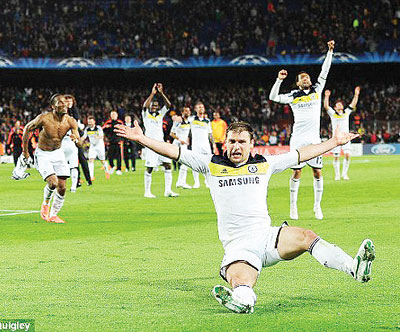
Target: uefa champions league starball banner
249,60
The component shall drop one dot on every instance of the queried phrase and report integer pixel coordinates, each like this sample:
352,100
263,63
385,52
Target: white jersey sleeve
174,128
280,162
280,98
319,86
331,111
163,110
100,132
197,161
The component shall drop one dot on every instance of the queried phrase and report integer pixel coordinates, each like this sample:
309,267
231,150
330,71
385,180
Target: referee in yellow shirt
219,131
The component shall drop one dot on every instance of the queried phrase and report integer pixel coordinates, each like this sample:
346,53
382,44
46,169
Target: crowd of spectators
378,107
178,28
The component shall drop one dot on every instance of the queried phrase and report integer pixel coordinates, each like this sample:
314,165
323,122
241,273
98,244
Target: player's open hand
154,89
160,87
133,133
327,93
357,90
282,74
331,45
342,137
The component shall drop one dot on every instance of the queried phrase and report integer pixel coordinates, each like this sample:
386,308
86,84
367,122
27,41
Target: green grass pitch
126,263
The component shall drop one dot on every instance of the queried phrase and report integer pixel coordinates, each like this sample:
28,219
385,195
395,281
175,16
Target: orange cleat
107,176
56,219
44,211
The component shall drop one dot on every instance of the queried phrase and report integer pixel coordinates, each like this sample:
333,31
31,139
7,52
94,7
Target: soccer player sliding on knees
238,185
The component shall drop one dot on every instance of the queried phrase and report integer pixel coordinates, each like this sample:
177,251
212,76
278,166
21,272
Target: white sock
74,178
318,191
245,295
346,164
336,167
47,192
196,177
105,167
294,190
58,202
331,256
91,169
168,180
182,175
147,182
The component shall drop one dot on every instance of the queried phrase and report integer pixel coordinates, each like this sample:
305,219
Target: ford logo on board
383,149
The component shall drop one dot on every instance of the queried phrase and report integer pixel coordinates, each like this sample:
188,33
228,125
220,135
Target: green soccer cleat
224,296
363,261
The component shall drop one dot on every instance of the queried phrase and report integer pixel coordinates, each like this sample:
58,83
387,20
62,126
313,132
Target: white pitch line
16,212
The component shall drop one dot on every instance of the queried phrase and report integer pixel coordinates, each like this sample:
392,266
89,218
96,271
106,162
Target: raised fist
282,74
327,93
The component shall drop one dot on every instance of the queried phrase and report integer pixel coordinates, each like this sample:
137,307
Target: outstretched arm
31,126
326,66
160,89
354,102
150,97
326,100
136,134
314,150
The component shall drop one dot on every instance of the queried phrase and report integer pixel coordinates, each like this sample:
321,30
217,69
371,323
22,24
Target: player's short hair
199,102
91,117
299,73
239,127
53,98
339,101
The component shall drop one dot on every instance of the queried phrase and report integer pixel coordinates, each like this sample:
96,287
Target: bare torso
53,128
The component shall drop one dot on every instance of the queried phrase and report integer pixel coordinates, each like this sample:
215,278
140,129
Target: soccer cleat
196,186
171,194
318,213
44,211
149,195
186,186
56,219
337,178
293,213
345,177
118,172
224,296
72,190
363,261
111,170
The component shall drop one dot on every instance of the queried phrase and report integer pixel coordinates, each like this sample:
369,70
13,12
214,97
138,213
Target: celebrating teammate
49,158
96,148
305,103
201,136
180,132
340,119
238,185
153,121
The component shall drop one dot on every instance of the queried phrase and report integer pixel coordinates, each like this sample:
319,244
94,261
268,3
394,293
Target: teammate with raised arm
340,117
97,148
305,103
238,185
49,158
153,123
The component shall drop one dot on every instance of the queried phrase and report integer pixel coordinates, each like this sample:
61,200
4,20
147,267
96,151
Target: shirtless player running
49,158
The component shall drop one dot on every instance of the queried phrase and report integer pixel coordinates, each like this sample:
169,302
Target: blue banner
381,149
194,62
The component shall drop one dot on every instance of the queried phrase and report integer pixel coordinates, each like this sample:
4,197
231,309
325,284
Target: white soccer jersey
306,107
200,130
340,120
153,123
239,193
95,135
181,130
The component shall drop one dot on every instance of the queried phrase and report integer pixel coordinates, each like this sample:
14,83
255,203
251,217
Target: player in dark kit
14,141
129,148
114,149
